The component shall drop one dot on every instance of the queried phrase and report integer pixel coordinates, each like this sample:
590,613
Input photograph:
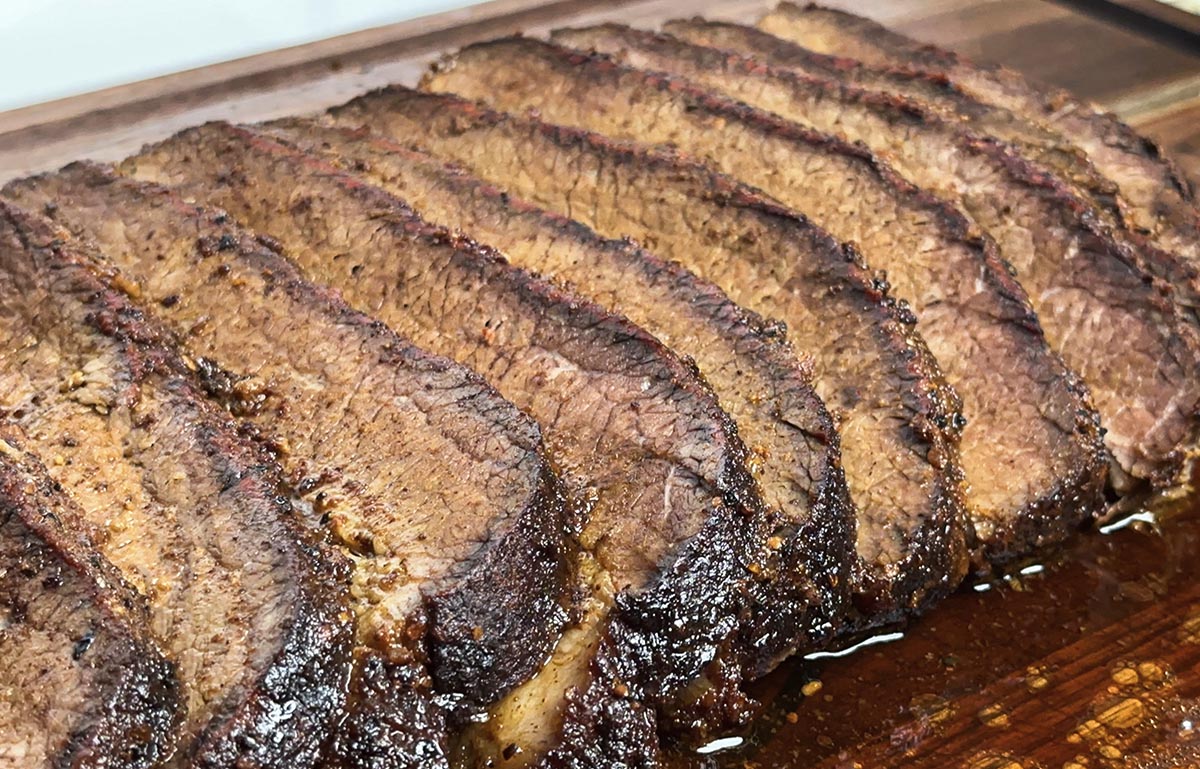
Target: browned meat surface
188,509
1031,448
1047,149
1035,140
84,686
676,525
895,413
432,484
1085,286
757,377
523,419
1160,200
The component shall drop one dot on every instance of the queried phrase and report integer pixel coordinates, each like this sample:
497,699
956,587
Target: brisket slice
185,506
1161,201
1086,287
1030,448
676,524
1074,172
84,685
1035,140
873,371
433,485
753,371
799,96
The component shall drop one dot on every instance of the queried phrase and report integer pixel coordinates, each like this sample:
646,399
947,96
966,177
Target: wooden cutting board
1154,83
1091,659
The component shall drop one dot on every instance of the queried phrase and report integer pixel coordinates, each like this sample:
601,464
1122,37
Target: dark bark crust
52,581
466,657
1171,254
803,588
1161,287
686,615
302,678
455,128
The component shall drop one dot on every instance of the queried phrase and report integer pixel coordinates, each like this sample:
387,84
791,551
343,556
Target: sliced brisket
1045,148
756,376
1035,140
1161,199
1031,449
873,371
1086,287
84,686
676,525
432,484
185,506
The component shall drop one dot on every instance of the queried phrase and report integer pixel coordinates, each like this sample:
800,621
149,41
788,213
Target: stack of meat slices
523,418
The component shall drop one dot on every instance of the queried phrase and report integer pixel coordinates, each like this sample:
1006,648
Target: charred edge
394,719
897,109
1039,525
1175,303
669,652
773,52
306,669
473,626
538,559
138,721
407,223
776,51
937,404
804,582
953,223
306,675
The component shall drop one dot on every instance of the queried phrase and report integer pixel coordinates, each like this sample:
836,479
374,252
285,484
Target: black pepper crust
303,676
52,577
937,559
674,624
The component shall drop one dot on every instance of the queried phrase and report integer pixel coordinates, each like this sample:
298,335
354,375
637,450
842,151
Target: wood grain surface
1089,659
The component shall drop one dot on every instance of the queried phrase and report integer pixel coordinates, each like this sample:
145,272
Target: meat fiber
896,416
756,376
187,507
433,486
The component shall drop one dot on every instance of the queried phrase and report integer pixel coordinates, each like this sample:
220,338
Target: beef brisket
1085,286
187,508
757,377
428,480
873,371
676,524
798,96
1031,448
85,687
1161,201
1035,140
1051,152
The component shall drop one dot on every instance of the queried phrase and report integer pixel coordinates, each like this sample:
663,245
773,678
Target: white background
55,48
